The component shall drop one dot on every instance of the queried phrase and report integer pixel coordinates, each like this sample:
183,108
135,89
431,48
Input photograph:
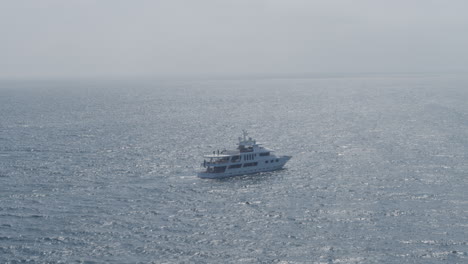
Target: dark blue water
104,171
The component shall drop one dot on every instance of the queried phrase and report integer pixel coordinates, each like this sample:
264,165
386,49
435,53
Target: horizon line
237,76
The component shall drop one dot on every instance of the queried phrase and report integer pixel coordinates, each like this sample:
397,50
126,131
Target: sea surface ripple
104,171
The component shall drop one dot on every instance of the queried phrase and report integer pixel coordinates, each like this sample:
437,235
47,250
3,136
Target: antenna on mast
244,133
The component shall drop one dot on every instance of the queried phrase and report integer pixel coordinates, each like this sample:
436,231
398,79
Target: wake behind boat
249,157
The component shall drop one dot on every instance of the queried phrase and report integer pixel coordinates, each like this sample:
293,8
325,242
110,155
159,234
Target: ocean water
104,171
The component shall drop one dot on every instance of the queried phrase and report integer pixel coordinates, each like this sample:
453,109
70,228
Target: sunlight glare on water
105,171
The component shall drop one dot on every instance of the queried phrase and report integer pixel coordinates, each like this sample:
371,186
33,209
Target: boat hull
265,167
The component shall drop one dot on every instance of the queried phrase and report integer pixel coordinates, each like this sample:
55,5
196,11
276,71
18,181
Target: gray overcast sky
92,38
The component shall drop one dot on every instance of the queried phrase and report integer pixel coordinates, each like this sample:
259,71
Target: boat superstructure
249,157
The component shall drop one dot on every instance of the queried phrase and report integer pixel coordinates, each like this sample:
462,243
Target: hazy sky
91,38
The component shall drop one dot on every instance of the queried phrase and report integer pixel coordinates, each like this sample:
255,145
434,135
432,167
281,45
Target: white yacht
249,157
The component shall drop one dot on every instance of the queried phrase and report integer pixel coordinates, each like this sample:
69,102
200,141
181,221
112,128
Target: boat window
250,164
277,160
235,166
235,158
265,154
219,169
245,149
266,161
